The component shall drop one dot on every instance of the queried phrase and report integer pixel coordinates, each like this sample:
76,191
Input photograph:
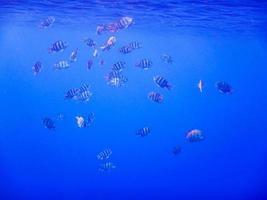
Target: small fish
156,97
72,93
49,123
162,82
90,119
224,87
144,64
143,131
60,116
195,135
36,68
62,65
112,27
95,53
84,96
47,22
89,42
125,22
125,49
80,121
118,66
58,46
167,58
135,45
176,150
73,55
90,64
200,85
115,78
109,43
107,166
100,29
104,155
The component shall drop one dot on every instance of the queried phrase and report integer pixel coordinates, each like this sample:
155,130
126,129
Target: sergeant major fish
156,97
36,68
104,155
135,45
125,49
58,46
143,131
144,64
89,42
62,65
49,123
125,22
118,66
162,82
72,93
47,22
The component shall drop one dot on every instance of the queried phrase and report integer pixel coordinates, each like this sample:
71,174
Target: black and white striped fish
84,96
125,22
84,88
36,68
89,42
156,97
143,131
73,55
107,166
118,66
49,123
125,49
47,22
62,65
115,78
57,46
135,45
70,94
104,155
162,82
144,64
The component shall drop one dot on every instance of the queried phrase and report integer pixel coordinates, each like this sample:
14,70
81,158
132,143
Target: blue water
208,40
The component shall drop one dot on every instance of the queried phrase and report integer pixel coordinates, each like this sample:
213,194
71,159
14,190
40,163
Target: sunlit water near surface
208,40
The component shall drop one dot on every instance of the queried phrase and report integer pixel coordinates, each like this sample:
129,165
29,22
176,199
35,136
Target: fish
70,94
107,166
125,22
200,85
224,87
109,43
90,119
143,131
58,46
62,65
115,78
36,68
84,88
95,53
49,123
73,55
125,49
84,96
166,58
135,45
60,116
89,42
100,29
156,97
118,66
104,155
162,82
47,22
80,121
144,64
90,64
176,150
195,135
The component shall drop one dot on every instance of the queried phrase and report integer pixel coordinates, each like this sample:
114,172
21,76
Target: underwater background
208,40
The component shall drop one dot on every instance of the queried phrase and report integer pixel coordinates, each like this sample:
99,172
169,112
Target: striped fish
143,131
115,78
83,96
47,22
224,87
72,93
107,166
62,65
73,55
36,68
84,88
135,45
118,66
144,64
125,49
58,46
156,97
125,22
104,155
89,42
49,123
162,82
166,58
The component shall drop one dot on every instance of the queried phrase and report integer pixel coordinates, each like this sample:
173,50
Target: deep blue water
208,40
